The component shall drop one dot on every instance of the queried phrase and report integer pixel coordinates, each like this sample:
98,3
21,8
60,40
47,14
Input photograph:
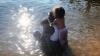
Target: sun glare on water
25,26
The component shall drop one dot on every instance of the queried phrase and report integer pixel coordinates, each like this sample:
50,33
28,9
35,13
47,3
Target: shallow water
19,19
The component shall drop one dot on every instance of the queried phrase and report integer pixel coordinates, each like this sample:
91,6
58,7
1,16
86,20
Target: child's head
58,12
45,23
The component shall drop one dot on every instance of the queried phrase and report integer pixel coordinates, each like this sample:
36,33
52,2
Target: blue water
20,18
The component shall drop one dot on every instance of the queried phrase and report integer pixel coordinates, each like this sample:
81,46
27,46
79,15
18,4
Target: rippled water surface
19,19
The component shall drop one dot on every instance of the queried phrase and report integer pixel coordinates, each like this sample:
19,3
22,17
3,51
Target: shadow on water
55,51
69,52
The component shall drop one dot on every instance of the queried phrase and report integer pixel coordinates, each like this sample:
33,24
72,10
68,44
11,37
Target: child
44,38
47,28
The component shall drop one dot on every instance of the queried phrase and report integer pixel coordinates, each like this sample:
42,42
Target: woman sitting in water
61,32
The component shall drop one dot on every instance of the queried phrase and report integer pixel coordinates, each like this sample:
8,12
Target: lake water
19,19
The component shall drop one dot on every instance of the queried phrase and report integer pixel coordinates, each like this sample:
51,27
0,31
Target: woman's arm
63,38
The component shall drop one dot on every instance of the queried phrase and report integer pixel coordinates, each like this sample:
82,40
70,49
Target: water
19,19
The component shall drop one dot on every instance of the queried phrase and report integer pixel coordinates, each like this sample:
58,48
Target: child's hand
37,35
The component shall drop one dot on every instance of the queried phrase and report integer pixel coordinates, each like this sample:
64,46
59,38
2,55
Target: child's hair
58,12
51,17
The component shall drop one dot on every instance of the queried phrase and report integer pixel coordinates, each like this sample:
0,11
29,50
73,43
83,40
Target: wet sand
84,34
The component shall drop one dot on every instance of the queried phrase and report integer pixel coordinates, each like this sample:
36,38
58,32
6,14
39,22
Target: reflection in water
24,24
26,42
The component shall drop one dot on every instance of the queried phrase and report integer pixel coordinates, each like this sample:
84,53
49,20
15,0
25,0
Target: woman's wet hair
58,12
